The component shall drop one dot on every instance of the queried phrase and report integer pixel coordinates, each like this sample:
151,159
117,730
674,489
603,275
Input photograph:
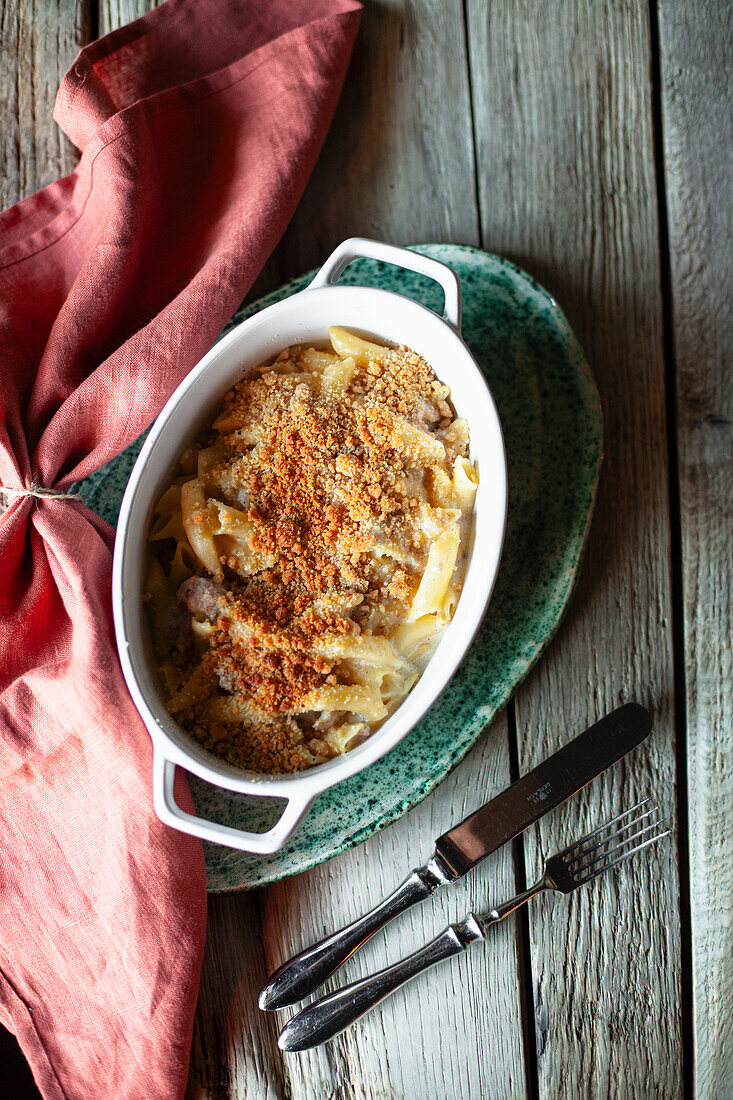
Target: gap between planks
676,569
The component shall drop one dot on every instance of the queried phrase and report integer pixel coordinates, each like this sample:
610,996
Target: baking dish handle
356,247
168,810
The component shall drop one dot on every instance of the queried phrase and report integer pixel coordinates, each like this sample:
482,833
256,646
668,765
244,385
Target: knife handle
304,973
328,1016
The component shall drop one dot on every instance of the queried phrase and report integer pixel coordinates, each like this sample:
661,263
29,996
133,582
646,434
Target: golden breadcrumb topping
331,481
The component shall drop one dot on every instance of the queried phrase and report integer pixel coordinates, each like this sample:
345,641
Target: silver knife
462,847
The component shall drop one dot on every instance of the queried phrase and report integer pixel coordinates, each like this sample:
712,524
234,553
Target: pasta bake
308,553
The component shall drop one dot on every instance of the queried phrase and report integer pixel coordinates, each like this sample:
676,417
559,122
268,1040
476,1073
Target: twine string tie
38,491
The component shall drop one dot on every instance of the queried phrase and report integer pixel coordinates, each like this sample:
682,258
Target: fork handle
305,972
328,1016
500,911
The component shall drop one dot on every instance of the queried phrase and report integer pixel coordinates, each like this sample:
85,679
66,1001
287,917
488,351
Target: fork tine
624,855
596,855
604,826
602,842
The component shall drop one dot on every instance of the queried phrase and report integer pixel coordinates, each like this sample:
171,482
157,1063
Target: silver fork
605,847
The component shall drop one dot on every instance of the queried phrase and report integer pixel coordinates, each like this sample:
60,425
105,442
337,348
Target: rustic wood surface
591,144
38,43
567,186
696,55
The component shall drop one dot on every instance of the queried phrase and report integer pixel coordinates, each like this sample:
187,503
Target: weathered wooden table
590,141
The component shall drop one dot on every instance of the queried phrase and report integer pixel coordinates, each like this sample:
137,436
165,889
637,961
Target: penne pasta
455,435
337,376
182,565
350,346
396,686
410,638
355,698
230,521
320,361
374,650
158,596
437,575
197,687
421,445
305,555
197,524
339,739
210,457
465,483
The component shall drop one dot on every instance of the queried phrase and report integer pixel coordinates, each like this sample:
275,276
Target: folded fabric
198,125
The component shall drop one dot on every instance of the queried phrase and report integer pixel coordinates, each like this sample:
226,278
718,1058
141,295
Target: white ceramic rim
172,746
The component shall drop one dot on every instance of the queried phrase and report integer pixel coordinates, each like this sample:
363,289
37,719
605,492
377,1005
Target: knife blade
462,847
542,789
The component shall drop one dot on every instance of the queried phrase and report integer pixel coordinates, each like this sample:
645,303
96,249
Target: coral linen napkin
199,125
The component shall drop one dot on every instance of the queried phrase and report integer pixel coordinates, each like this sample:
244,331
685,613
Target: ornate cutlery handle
328,1016
306,971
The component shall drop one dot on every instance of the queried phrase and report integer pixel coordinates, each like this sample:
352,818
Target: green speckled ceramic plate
551,417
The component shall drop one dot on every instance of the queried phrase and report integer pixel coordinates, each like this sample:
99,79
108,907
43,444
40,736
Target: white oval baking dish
304,318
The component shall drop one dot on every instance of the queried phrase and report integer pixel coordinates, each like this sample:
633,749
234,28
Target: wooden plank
234,1049
462,1021
117,13
567,188
696,53
397,165
455,1032
38,43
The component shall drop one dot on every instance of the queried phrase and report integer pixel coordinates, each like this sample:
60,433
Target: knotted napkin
198,125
